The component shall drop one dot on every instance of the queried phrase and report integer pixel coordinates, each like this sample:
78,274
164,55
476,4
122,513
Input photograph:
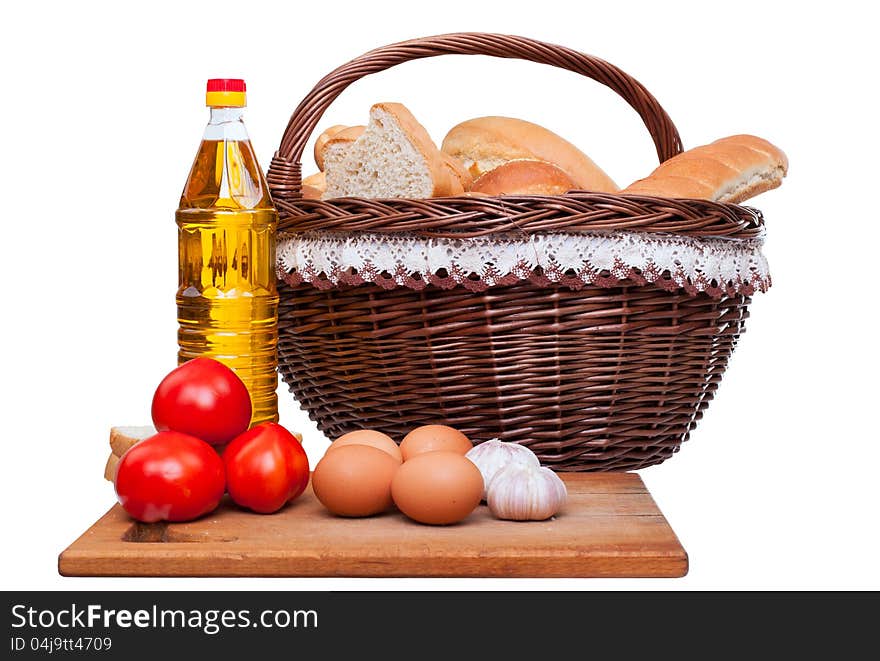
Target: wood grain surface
610,527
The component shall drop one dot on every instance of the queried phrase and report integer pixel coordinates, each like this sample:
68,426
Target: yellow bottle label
227,301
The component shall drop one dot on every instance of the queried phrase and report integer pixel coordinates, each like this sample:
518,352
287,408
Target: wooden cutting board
610,527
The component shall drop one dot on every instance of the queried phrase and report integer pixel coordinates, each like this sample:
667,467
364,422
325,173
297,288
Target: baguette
393,157
524,177
731,170
484,143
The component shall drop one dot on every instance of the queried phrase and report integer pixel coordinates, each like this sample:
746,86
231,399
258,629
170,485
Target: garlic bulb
526,493
491,456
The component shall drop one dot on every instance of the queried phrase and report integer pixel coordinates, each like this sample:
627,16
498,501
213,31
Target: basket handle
285,174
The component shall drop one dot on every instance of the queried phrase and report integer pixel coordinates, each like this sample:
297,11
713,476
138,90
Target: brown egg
355,480
368,437
437,487
432,438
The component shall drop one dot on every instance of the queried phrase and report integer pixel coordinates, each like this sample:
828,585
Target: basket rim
575,211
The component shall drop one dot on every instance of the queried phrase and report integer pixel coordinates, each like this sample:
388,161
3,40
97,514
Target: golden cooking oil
227,301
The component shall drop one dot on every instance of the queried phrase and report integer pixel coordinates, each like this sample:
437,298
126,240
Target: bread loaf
524,177
393,157
731,169
484,143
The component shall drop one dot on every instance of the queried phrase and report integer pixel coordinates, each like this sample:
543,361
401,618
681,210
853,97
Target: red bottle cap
226,85
229,92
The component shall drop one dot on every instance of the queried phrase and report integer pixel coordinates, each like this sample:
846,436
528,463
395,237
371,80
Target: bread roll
324,138
472,193
484,143
461,180
394,157
523,177
314,185
731,169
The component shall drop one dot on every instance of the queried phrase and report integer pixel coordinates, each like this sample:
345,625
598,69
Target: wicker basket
612,375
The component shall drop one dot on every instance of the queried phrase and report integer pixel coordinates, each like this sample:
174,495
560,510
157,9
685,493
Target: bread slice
339,142
394,157
321,142
111,467
731,169
524,177
484,143
122,438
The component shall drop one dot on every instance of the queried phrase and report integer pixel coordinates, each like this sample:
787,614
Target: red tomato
204,398
170,477
266,468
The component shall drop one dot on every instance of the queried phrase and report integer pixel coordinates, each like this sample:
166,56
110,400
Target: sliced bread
393,157
122,438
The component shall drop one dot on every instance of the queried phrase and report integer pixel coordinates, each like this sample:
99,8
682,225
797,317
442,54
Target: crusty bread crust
473,193
731,169
122,438
322,140
342,138
111,467
311,193
460,179
441,173
670,186
314,185
524,177
484,143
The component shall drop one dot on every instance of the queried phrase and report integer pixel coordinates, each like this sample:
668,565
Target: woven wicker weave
600,378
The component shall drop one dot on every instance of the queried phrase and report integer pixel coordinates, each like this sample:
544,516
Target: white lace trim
717,266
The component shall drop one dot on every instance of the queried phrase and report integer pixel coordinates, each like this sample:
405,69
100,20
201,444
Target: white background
102,112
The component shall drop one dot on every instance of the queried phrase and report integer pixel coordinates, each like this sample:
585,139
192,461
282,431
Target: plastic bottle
227,301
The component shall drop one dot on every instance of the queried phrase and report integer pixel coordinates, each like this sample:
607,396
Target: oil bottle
227,301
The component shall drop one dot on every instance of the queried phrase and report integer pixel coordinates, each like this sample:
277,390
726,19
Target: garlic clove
493,455
526,493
